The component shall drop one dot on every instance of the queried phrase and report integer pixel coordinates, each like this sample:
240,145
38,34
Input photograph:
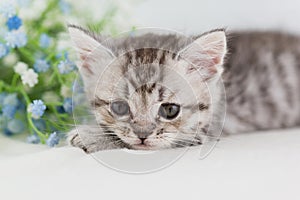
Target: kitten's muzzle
143,131
143,135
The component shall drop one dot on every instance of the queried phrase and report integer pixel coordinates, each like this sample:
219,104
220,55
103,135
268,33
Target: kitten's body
261,77
262,80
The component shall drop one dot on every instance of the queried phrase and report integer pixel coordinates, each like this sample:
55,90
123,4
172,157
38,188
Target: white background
197,16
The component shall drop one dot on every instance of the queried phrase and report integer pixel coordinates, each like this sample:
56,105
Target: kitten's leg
89,141
75,140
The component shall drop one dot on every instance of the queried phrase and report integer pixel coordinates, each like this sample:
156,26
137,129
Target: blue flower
37,109
15,126
64,6
58,55
21,107
7,10
3,50
52,140
45,40
62,55
68,105
14,23
16,39
66,66
9,111
33,139
2,97
11,99
41,65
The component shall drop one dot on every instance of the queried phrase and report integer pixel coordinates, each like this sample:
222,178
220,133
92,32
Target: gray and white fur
140,75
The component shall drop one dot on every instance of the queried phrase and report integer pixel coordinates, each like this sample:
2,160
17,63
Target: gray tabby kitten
165,91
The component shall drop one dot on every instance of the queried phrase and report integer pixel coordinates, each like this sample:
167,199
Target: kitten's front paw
75,140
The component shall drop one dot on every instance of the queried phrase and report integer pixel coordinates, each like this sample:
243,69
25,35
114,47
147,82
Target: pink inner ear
83,56
217,60
205,60
86,59
214,56
206,69
87,67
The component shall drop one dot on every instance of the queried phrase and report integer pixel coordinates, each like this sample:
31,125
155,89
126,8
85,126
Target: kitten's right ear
206,54
91,52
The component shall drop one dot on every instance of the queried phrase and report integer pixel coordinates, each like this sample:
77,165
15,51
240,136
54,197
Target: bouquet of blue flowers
36,71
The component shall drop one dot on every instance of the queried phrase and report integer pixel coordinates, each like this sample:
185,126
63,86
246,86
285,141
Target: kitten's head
152,91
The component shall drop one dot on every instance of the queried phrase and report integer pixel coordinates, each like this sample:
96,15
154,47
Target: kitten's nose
142,135
142,131
142,140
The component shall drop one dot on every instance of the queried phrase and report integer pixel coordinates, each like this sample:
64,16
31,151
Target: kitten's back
262,80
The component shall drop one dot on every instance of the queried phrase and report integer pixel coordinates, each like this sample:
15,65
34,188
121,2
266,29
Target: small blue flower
66,66
37,109
33,139
58,55
15,126
11,99
14,23
41,65
45,40
7,10
16,39
52,140
9,111
2,97
3,50
64,6
21,106
62,55
68,105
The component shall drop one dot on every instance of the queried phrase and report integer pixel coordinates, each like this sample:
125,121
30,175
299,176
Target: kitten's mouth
142,146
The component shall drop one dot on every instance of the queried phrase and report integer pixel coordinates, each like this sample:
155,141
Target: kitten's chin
143,147
148,147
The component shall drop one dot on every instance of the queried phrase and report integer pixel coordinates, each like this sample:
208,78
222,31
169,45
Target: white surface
196,16
253,166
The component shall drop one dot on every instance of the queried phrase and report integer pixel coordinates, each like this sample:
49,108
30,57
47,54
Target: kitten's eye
120,107
169,110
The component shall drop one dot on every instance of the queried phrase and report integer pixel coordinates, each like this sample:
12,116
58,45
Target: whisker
189,142
175,142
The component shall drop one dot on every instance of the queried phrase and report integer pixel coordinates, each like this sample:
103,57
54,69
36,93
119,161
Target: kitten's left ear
93,54
206,54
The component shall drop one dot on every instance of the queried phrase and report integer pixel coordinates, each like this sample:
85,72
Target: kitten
164,91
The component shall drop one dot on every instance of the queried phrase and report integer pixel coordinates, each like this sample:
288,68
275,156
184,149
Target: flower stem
14,80
29,119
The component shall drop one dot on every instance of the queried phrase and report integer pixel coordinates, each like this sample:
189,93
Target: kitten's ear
206,54
92,53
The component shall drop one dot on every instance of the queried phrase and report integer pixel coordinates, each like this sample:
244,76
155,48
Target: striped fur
262,79
260,73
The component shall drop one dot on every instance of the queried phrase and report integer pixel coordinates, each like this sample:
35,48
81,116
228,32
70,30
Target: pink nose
142,135
143,130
